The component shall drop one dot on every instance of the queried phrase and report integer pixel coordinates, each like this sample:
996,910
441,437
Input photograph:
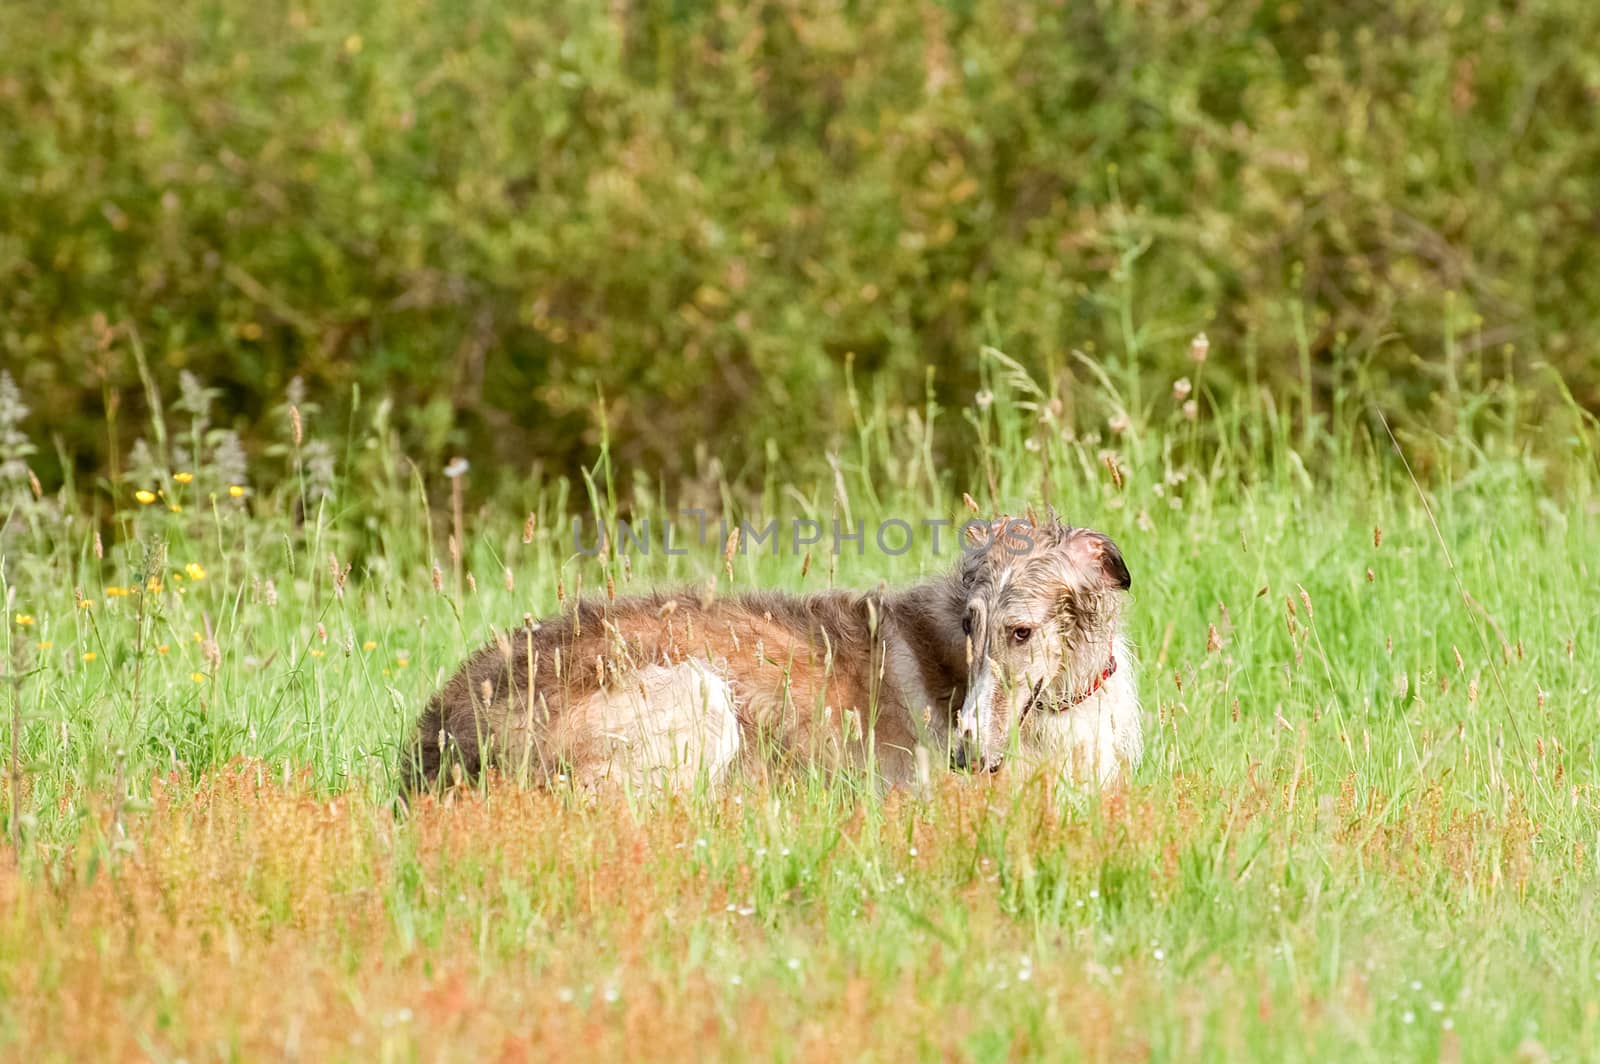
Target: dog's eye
1021,635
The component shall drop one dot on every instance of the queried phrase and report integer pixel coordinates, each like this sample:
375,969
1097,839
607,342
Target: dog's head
1041,602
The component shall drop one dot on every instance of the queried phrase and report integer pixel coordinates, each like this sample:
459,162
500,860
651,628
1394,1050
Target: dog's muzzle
968,756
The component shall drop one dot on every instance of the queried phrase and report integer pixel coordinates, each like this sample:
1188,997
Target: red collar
1094,688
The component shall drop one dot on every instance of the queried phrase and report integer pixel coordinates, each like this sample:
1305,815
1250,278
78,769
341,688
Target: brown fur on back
807,673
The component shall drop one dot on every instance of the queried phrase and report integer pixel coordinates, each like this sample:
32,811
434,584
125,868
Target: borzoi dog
1019,650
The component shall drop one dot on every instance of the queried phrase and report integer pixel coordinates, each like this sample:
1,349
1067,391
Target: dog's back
557,697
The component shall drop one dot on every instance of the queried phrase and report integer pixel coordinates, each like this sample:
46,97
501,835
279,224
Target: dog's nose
968,754
968,757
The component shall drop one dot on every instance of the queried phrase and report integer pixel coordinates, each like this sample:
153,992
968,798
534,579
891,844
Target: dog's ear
1111,563
1094,552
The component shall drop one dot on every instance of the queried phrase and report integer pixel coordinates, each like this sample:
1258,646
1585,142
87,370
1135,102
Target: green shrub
707,214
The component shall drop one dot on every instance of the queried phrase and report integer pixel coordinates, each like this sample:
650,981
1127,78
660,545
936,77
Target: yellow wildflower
89,655
183,478
145,497
236,490
116,592
86,604
153,585
317,653
198,677
45,644
175,508
369,645
195,570
162,649
25,619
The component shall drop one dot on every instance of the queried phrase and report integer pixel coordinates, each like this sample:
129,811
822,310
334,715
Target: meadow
324,322
1365,826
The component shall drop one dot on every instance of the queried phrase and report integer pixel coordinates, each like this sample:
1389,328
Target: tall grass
1364,827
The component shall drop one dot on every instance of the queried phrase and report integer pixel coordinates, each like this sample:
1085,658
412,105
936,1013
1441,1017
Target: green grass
1365,826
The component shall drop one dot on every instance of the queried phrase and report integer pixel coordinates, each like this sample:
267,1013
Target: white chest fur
1100,739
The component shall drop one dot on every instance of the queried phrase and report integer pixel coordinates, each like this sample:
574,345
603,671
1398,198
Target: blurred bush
707,213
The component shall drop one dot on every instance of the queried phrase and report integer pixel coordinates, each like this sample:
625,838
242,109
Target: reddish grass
245,917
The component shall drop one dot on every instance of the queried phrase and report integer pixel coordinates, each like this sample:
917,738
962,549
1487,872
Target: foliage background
712,214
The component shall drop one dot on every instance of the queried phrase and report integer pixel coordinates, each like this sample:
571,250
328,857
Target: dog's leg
660,729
